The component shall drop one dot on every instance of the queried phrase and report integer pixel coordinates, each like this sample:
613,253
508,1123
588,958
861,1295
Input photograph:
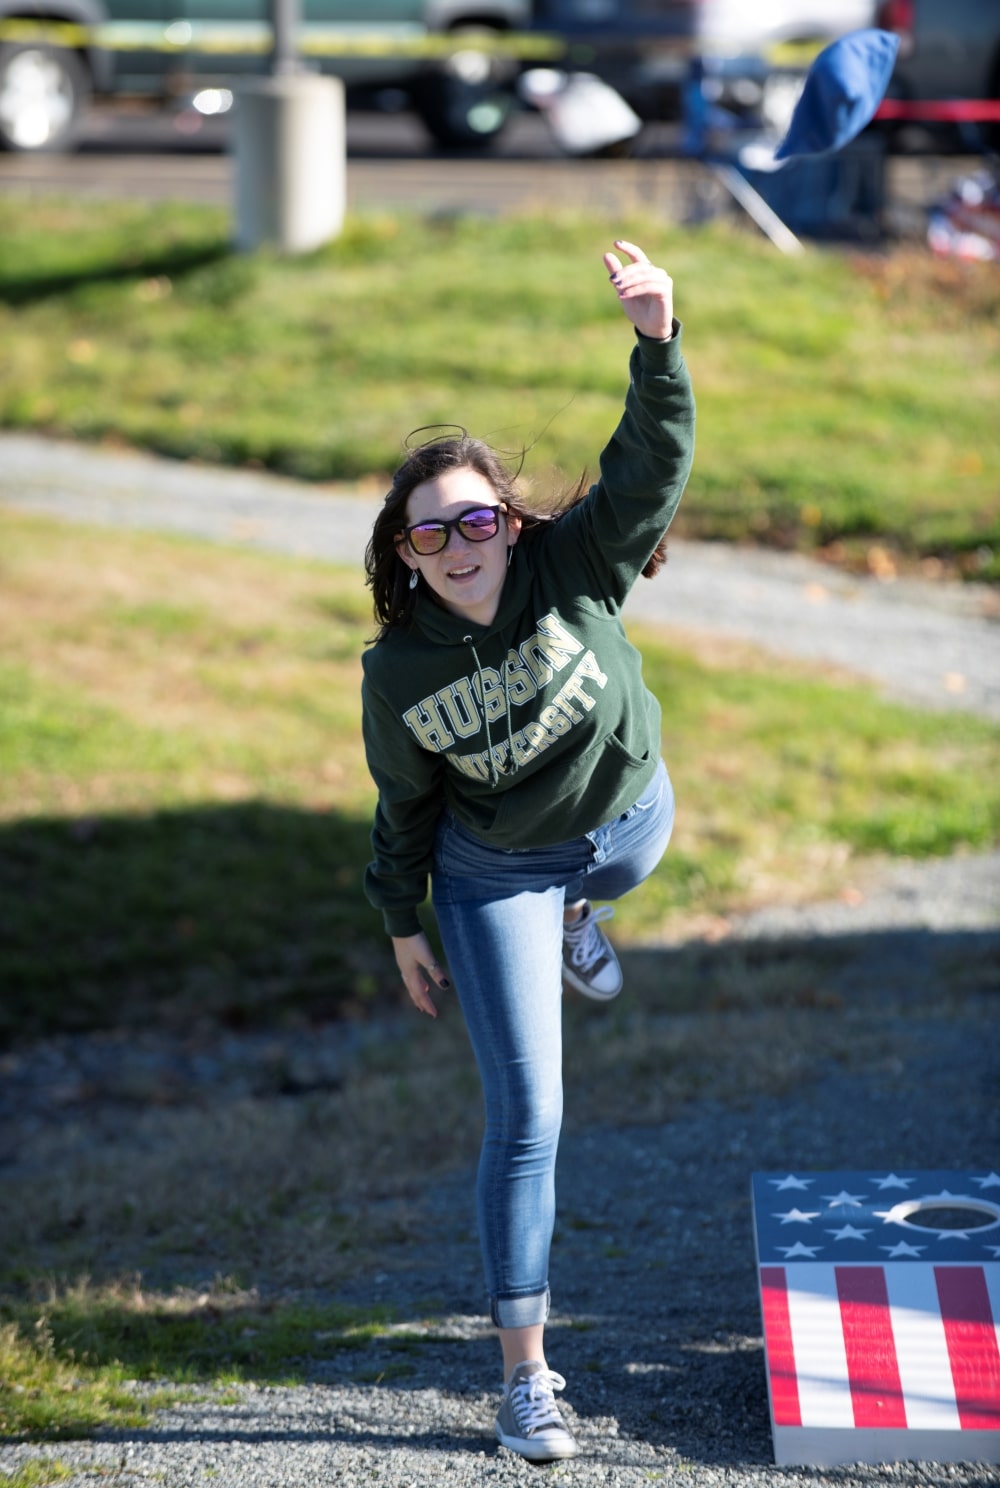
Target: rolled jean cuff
520,1312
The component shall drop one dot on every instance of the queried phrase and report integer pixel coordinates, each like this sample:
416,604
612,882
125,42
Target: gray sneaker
528,1420
589,963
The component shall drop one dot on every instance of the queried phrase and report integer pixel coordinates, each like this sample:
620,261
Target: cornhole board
880,1296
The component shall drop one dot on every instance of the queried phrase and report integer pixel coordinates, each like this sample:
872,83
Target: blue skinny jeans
500,914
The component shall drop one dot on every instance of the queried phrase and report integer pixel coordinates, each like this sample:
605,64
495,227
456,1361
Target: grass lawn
184,803
184,807
846,402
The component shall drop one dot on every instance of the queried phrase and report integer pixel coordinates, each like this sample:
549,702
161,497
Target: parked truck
56,55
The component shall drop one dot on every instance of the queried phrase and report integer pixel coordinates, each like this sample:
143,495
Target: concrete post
290,146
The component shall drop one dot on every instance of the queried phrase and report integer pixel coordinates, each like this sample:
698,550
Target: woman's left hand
418,969
645,293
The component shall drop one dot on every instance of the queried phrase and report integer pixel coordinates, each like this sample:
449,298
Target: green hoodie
536,728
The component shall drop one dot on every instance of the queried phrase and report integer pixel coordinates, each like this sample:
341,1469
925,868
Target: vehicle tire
44,91
466,100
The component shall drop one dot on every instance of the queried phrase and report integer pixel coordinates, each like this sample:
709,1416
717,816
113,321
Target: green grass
48,1393
783,769
69,1359
184,804
845,402
38,1472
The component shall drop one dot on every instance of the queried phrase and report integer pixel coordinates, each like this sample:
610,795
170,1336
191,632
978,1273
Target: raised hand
645,293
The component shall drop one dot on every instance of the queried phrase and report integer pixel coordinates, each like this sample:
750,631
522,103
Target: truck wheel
467,99
43,93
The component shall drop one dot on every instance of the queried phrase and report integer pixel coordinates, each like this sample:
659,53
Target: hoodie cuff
401,923
660,355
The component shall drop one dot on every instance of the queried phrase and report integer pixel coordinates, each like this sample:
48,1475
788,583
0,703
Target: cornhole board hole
880,1295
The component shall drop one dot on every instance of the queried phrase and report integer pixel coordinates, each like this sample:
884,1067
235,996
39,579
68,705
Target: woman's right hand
418,969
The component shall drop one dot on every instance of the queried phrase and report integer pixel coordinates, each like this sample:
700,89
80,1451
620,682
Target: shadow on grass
906,966
240,914
668,1337
172,261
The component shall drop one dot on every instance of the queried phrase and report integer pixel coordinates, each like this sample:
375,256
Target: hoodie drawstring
494,773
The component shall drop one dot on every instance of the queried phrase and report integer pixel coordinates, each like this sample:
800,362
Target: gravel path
935,644
657,1324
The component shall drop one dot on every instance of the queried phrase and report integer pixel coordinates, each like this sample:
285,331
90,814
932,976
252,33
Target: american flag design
880,1296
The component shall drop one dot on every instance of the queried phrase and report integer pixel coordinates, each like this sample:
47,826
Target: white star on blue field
872,1217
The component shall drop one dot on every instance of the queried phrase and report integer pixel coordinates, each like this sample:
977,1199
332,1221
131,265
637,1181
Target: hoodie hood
446,629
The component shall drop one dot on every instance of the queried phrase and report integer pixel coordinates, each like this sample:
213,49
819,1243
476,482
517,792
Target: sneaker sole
587,989
538,1451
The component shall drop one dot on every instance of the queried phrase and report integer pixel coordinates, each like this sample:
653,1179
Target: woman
516,753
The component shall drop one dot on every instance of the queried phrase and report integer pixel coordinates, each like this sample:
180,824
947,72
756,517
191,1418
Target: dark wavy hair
387,575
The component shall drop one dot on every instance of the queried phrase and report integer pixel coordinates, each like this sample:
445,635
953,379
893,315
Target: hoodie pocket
635,761
565,802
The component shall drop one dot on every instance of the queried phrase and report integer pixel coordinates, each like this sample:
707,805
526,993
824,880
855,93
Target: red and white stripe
910,1346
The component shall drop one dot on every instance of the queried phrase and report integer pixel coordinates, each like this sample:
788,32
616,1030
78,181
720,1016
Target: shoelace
585,944
533,1401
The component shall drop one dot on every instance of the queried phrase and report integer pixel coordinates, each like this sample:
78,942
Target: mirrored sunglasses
477,525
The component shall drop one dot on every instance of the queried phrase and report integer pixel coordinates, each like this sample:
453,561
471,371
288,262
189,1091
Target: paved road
934,644
133,152
390,166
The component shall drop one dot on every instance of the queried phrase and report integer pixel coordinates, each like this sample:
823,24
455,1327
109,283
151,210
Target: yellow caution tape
793,54
52,33
256,39
251,39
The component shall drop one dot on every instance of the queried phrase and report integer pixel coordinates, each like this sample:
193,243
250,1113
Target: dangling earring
414,578
510,553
